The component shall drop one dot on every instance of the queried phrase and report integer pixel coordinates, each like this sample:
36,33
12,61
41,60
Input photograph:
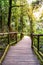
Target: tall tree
0,16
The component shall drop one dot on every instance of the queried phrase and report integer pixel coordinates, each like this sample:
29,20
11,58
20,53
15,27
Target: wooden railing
7,39
38,44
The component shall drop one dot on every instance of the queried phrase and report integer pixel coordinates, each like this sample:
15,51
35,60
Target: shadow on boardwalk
21,54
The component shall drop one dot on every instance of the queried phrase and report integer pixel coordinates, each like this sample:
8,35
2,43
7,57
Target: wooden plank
21,54
22,63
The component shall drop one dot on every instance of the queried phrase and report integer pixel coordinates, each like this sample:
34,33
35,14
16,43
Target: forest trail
21,54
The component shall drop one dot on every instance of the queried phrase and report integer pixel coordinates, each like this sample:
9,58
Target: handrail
8,33
38,40
8,37
11,33
37,34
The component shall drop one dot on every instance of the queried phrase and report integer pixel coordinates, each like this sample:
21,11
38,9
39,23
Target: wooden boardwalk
21,54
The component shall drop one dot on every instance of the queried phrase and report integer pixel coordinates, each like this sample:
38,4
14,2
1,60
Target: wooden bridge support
38,43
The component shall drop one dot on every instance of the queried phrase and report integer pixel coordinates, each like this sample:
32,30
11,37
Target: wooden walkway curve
21,54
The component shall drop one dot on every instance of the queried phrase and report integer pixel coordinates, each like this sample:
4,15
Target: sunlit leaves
29,13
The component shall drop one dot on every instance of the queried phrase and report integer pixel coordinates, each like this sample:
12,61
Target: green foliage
4,13
22,18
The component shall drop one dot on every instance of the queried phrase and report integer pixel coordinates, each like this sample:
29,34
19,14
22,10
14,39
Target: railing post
38,44
8,38
32,40
16,37
21,35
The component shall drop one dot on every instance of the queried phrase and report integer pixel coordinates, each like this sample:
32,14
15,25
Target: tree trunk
0,17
